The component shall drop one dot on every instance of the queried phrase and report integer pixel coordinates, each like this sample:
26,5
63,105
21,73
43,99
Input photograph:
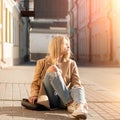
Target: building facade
49,20
11,33
94,27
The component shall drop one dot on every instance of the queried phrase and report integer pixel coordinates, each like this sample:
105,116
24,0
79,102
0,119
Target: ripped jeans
58,93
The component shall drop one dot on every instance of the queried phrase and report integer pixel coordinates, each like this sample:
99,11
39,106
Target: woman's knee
52,68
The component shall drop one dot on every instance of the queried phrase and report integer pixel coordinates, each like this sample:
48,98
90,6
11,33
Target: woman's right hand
32,99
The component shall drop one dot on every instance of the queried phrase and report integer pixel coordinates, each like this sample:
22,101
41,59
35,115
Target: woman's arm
75,78
35,85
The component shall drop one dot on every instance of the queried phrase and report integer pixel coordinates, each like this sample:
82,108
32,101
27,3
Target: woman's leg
53,97
78,94
55,86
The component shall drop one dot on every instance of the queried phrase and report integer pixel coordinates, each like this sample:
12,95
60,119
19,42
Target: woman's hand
32,99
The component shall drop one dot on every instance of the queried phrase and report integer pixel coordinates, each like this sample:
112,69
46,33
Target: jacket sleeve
35,85
75,78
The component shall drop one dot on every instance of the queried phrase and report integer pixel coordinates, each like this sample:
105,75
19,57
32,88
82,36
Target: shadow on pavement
21,112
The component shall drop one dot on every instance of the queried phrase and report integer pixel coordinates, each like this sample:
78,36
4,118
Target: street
101,86
105,77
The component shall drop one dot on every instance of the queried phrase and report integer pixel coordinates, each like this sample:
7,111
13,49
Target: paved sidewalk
102,104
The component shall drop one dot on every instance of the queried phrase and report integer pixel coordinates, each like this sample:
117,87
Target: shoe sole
80,116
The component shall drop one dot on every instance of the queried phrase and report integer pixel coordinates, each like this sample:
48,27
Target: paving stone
102,104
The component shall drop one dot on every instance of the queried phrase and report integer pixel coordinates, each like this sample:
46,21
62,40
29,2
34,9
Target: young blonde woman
56,82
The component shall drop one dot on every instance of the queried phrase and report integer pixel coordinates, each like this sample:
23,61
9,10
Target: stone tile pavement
102,104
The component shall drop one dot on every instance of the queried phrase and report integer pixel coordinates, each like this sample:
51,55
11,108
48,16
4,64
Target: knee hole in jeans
52,68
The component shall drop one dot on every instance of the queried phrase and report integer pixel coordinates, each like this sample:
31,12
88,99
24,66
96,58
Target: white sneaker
80,112
71,108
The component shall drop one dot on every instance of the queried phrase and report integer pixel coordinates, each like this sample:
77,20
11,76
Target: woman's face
66,47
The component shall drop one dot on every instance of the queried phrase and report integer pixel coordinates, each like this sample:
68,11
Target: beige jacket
69,73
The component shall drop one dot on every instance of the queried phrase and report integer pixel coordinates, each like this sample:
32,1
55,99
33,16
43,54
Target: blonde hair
56,48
